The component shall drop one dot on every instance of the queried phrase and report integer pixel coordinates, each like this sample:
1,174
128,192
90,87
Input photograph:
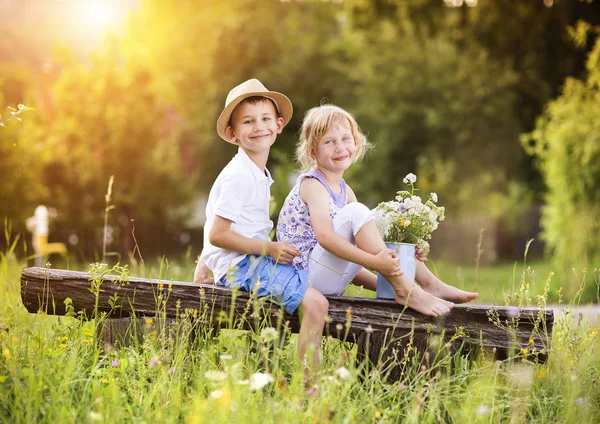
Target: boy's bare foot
421,301
446,292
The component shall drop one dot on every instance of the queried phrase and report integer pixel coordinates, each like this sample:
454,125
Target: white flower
434,197
343,373
406,222
259,380
483,410
215,375
95,416
410,179
225,357
416,199
409,204
216,394
269,334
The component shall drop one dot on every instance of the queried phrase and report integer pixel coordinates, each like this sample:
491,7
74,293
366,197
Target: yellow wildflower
530,340
87,341
541,372
377,414
149,321
524,351
105,381
62,345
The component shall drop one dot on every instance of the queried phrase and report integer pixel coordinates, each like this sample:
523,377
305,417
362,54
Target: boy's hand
202,273
282,252
386,262
421,255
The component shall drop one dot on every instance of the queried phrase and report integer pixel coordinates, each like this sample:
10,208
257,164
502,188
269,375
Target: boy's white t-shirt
241,193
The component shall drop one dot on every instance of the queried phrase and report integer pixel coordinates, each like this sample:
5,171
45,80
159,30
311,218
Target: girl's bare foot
453,294
421,301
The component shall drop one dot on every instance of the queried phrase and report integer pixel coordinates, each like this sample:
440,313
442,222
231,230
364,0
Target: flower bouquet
403,223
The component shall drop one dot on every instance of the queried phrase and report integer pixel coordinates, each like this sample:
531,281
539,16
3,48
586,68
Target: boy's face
254,127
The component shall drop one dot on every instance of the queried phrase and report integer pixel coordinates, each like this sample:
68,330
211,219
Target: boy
237,247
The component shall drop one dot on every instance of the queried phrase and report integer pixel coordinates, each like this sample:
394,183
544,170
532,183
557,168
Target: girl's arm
315,195
221,236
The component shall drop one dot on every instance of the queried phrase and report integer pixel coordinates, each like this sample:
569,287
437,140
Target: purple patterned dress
294,225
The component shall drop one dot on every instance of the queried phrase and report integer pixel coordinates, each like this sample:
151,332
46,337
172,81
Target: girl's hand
387,263
421,255
282,252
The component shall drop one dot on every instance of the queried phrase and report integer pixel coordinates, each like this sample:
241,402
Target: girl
335,234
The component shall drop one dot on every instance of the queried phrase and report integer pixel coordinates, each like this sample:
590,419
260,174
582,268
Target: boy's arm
222,236
315,195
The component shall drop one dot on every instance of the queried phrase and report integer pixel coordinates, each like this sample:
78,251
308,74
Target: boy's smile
255,127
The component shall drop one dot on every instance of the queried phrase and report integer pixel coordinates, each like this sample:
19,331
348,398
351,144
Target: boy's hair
316,123
255,100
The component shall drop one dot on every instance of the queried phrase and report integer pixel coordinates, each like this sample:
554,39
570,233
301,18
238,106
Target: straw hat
250,88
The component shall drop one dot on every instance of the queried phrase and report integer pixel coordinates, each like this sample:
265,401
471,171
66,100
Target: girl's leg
406,291
366,279
431,284
314,308
328,273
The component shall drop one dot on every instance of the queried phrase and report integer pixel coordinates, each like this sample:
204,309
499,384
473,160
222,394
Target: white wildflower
259,380
483,410
215,375
406,222
95,416
343,373
410,179
225,357
269,334
416,199
216,394
434,197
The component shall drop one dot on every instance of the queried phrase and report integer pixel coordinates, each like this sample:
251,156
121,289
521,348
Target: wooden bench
381,329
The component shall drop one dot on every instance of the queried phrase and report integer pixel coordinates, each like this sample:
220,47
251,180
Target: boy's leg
314,308
431,284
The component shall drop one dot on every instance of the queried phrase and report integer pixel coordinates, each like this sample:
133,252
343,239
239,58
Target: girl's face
336,149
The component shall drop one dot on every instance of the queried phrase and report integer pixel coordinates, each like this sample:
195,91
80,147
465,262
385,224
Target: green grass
53,369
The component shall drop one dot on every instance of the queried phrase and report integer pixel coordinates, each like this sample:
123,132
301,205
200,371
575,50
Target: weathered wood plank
46,289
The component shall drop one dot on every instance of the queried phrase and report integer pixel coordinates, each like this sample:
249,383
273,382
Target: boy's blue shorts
282,284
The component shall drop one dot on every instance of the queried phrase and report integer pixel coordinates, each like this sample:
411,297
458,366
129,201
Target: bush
566,142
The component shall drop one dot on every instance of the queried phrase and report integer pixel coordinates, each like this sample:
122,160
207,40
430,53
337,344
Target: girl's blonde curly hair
316,123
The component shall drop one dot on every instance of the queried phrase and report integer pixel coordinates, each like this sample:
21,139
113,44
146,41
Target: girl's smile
335,150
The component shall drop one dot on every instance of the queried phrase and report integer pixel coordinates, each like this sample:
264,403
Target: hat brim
284,106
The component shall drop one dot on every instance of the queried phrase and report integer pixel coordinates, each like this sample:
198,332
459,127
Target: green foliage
566,143
445,114
21,147
109,121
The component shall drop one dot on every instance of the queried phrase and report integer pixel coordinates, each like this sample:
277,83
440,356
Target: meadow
54,369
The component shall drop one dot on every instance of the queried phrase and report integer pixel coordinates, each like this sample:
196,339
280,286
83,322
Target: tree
566,144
